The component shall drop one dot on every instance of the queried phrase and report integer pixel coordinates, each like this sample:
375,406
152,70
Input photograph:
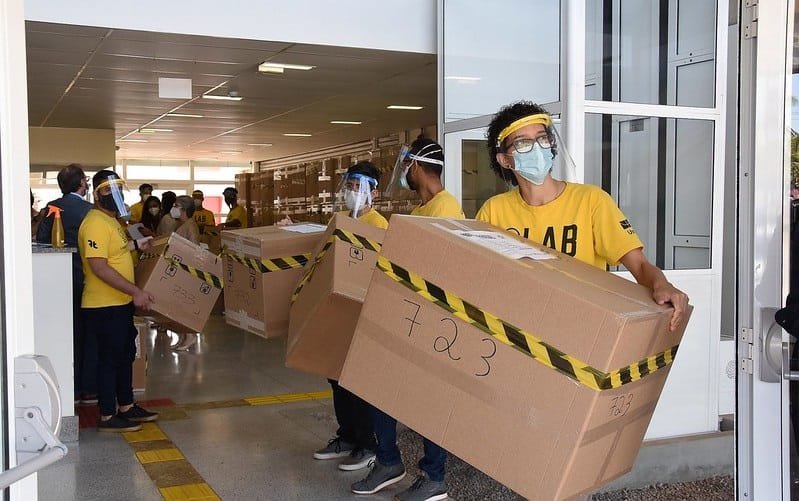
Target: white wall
402,25
56,146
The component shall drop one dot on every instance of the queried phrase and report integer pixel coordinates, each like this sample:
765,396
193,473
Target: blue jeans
388,453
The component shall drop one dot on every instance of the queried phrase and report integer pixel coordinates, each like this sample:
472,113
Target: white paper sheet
134,231
305,228
503,244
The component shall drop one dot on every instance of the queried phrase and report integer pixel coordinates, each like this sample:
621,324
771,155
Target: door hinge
747,342
750,27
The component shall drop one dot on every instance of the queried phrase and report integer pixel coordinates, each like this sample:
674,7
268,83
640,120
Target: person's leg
97,327
433,462
344,442
385,428
126,354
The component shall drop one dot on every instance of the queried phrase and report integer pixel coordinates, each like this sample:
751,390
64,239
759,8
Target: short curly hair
504,117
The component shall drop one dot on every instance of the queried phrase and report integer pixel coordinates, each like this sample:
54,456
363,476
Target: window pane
495,54
219,173
660,172
651,52
479,182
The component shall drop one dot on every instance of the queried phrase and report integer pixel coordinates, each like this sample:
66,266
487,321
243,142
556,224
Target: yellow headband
110,182
540,118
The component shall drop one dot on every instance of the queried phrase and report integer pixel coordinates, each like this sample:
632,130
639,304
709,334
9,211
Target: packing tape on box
270,265
345,236
524,341
205,276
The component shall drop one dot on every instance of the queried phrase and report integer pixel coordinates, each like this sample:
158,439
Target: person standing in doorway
202,216
237,217
136,211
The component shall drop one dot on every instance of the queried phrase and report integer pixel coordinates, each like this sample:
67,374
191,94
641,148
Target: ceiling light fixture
267,67
184,115
153,130
463,79
345,122
222,98
260,144
403,107
230,152
297,134
132,141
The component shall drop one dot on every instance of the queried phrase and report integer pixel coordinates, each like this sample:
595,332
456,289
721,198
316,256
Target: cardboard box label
305,228
503,244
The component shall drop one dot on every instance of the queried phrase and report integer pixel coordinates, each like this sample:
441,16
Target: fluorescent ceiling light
230,152
152,130
184,115
222,98
345,122
297,134
259,144
132,141
267,67
403,107
463,79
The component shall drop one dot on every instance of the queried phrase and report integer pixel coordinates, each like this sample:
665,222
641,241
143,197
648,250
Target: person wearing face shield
237,217
202,216
580,220
110,297
419,169
355,436
137,210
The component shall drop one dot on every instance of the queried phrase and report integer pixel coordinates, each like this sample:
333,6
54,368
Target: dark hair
147,219
167,201
187,203
69,178
145,187
366,168
100,177
230,188
429,149
504,117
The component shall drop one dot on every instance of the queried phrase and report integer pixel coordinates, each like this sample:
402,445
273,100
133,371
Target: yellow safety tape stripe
270,265
345,236
205,276
524,341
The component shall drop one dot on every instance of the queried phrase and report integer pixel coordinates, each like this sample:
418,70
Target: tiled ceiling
90,77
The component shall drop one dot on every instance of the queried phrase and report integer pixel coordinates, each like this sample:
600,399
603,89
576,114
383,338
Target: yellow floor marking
192,492
159,455
262,400
288,397
149,432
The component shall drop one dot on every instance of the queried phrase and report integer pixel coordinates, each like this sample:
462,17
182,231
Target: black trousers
354,416
113,330
84,348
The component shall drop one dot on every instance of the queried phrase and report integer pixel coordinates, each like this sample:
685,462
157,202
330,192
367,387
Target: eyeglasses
525,145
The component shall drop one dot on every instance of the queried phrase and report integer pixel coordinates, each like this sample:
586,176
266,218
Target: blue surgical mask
533,165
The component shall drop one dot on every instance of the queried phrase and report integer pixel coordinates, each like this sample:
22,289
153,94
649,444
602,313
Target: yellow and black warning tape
270,265
353,239
205,276
524,341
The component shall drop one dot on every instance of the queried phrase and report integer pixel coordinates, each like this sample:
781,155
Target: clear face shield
402,166
110,194
355,193
537,151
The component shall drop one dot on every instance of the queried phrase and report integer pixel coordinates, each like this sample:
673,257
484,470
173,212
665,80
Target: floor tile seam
151,427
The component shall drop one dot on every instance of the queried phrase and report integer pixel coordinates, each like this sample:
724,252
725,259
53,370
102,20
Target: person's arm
43,231
100,267
651,276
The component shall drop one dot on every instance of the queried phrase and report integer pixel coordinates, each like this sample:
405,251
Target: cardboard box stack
262,267
244,184
326,308
534,367
184,280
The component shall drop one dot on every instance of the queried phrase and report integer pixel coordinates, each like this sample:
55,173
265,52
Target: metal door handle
787,373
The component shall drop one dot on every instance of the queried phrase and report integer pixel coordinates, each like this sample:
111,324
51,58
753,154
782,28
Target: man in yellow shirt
202,216
136,211
577,219
109,299
421,172
237,217
355,436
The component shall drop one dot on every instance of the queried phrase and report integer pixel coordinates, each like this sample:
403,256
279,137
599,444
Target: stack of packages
538,369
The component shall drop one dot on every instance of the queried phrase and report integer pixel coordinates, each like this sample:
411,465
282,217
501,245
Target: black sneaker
117,424
379,477
138,414
423,489
359,458
336,448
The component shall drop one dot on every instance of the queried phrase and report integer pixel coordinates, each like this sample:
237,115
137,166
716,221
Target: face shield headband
539,118
114,200
356,198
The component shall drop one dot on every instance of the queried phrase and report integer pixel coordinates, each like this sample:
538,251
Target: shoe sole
120,430
437,497
330,455
144,419
356,466
382,486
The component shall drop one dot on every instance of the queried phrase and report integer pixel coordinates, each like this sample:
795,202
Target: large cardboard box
548,433
140,362
184,279
326,308
262,268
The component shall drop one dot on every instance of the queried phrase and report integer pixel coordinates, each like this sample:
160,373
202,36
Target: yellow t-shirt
583,222
443,204
100,235
374,218
237,213
204,217
136,212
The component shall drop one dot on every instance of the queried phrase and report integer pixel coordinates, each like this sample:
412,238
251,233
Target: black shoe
117,424
136,413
